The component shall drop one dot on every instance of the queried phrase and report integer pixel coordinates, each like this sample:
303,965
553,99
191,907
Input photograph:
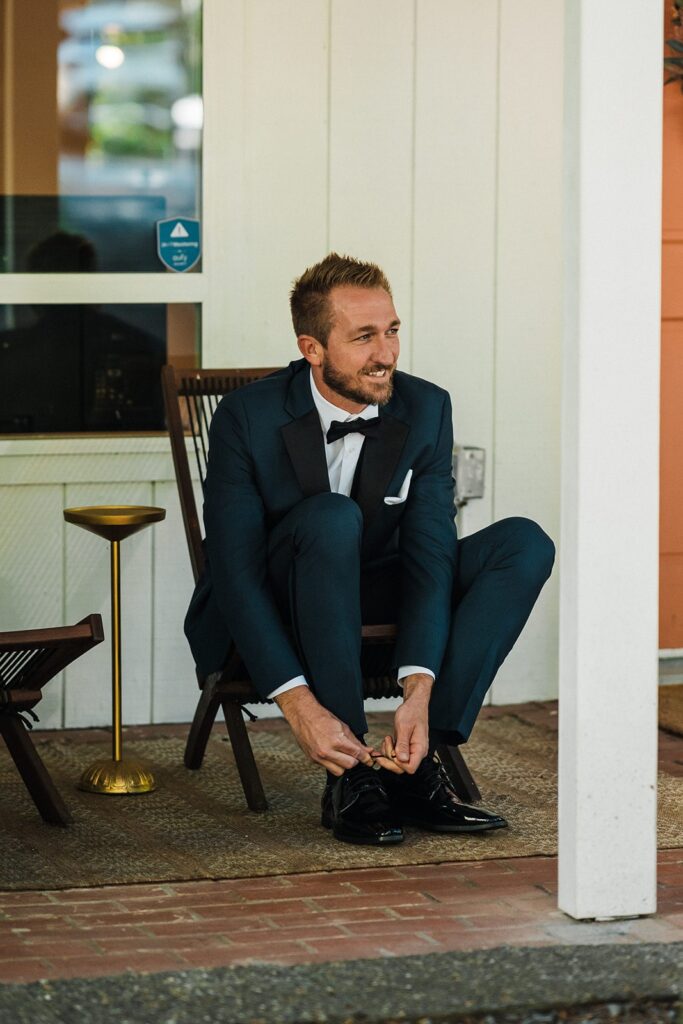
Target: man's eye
393,331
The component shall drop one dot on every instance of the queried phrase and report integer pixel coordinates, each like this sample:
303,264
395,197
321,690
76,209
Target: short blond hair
309,296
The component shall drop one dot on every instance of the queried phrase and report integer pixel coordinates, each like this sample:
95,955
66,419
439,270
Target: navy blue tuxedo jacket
266,454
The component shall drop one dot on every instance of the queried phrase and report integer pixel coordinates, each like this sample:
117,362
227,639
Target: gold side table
115,523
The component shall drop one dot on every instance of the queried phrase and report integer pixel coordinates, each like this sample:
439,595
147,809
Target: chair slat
205,422
12,664
29,665
198,432
194,430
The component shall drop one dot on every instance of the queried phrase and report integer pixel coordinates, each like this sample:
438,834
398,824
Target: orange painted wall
671,449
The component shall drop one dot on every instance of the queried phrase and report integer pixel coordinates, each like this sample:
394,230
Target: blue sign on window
178,243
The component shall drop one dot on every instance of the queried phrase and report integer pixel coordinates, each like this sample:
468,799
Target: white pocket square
403,493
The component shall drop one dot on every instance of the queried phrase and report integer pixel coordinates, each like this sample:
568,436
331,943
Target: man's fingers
402,750
351,736
385,756
413,764
389,764
353,748
388,746
366,757
418,752
336,762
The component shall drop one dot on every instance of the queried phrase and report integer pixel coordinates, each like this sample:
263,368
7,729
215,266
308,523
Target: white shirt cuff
410,670
289,685
404,670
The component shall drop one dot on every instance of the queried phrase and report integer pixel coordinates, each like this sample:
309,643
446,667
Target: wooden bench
30,658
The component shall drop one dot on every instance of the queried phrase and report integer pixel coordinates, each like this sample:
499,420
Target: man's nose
386,351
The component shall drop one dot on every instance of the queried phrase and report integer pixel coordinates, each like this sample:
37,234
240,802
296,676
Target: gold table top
114,522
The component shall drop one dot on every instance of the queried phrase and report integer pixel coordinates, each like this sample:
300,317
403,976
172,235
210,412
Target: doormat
671,708
196,824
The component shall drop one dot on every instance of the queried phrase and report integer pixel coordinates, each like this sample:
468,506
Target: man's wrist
418,685
292,700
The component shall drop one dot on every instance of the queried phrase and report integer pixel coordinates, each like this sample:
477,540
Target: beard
354,388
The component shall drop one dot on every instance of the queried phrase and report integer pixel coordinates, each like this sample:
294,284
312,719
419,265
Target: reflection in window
103,138
66,369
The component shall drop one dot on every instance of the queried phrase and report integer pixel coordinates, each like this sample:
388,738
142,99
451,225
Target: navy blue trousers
325,593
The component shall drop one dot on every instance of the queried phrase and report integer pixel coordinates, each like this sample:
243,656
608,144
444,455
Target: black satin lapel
380,458
299,399
304,442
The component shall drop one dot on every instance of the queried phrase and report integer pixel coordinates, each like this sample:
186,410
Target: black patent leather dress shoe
356,807
427,800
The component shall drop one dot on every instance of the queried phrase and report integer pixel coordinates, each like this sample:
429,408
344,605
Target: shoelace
433,776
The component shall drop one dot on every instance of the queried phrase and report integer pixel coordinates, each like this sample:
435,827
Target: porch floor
322,917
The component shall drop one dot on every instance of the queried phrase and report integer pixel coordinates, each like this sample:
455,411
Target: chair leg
202,723
244,757
460,775
43,791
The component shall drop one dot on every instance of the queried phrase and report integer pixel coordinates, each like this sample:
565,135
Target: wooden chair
191,398
30,658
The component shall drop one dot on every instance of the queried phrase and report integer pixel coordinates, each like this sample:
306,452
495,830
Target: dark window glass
67,369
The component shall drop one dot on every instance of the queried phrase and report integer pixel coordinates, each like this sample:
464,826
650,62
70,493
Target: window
102,140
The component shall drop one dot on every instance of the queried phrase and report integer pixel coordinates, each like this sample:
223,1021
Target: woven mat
671,709
196,825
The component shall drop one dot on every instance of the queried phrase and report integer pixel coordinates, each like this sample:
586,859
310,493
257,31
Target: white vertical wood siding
423,134
527,364
52,572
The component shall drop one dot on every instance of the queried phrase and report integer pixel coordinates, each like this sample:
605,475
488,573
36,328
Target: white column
609,536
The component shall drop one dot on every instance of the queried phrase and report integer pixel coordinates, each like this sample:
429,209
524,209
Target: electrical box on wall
469,468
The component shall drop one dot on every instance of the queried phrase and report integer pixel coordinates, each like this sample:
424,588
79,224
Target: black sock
436,737
447,736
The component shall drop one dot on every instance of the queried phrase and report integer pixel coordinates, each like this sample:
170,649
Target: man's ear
310,349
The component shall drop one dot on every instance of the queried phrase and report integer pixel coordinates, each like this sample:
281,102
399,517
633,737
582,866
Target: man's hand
411,722
323,737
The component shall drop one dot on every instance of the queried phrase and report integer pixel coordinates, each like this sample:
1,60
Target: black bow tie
357,426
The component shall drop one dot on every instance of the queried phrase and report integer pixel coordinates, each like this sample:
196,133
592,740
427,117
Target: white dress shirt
342,458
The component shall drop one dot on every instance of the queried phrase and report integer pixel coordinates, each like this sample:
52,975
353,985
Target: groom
329,504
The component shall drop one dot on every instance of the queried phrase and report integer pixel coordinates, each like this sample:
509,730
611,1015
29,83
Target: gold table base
115,523
110,776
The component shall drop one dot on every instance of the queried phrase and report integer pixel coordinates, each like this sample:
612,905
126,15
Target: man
328,504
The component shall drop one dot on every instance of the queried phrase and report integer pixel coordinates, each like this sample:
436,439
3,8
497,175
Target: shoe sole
359,841
452,829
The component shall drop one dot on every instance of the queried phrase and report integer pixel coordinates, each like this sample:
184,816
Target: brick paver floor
290,919
287,919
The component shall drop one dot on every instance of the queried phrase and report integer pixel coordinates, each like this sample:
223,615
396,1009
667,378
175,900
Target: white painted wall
423,134
528,302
